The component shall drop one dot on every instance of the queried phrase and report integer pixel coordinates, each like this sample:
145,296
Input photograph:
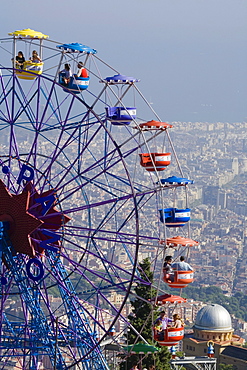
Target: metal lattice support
78,322
199,363
41,339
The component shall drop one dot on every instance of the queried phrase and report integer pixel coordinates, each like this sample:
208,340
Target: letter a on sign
46,203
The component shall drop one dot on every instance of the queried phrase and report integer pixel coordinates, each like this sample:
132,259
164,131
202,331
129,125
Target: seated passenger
181,265
35,58
165,321
19,60
82,72
157,327
66,74
177,321
168,270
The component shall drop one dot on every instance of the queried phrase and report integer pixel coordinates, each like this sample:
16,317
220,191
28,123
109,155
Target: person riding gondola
82,72
66,74
165,322
19,60
177,321
167,269
158,329
181,265
35,57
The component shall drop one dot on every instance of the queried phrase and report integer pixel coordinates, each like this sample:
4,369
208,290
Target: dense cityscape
215,157
217,162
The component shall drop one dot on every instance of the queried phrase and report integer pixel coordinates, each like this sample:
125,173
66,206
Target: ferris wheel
79,183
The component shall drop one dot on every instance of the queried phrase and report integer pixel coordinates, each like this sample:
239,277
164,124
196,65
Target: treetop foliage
235,305
142,317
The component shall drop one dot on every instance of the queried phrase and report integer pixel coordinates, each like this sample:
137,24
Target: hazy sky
189,54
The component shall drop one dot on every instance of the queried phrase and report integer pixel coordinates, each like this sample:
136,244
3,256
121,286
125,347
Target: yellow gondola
34,68
30,69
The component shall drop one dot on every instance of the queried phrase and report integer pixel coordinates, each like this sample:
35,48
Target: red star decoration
53,220
14,209
26,220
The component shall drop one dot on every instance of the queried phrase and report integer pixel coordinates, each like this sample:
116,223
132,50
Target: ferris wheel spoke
75,310
93,255
25,106
55,109
105,202
33,148
56,155
13,145
3,120
127,237
4,99
47,102
35,309
92,178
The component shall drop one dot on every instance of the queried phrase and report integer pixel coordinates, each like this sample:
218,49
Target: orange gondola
181,278
177,241
155,161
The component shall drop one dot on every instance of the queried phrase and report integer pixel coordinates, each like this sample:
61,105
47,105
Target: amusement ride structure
82,192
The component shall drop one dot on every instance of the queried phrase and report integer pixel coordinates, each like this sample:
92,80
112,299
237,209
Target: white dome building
213,322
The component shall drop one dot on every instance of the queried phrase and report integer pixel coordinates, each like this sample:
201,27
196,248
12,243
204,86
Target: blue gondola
76,47
120,116
176,180
120,79
76,84
174,217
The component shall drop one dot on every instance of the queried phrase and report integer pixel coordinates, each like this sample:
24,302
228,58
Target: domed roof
213,317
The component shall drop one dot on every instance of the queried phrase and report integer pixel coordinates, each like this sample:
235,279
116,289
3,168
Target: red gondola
154,125
181,279
168,299
155,161
171,336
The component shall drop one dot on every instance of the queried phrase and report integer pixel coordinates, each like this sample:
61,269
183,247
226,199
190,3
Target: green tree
143,314
236,305
226,367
